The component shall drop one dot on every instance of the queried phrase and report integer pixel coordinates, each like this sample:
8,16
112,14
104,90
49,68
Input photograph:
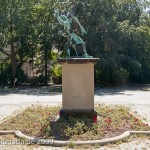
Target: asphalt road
133,96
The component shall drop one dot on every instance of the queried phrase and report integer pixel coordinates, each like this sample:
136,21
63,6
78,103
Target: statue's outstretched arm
63,20
81,27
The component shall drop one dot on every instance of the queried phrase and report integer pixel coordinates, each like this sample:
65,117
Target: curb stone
50,142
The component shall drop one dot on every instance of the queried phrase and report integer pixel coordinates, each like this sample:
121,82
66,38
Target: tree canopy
118,32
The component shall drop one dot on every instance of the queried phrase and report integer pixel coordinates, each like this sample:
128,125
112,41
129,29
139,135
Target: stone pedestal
78,86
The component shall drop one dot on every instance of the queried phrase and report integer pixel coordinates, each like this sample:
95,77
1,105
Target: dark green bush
6,77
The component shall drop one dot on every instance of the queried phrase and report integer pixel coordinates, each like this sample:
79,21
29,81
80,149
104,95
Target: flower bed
39,121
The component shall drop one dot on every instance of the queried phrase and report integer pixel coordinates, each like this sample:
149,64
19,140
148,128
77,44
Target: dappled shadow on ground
63,129
110,91
37,91
56,90
122,90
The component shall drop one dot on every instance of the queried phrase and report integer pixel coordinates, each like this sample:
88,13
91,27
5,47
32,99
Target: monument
77,71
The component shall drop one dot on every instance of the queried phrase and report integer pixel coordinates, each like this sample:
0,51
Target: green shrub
121,76
33,81
6,77
56,73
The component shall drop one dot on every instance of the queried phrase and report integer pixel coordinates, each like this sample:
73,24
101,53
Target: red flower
131,115
95,118
135,120
146,124
108,120
42,114
59,113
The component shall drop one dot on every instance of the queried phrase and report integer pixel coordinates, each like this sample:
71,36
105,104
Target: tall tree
27,26
12,20
44,29
117,35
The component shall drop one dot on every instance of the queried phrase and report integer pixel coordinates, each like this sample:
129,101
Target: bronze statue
72,26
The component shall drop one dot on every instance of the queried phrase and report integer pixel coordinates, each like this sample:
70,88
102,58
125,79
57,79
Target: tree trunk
45,64
13,61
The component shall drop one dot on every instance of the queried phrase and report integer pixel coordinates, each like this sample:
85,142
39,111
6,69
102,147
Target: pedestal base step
79,113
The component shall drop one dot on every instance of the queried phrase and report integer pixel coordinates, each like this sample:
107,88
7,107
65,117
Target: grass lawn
39,121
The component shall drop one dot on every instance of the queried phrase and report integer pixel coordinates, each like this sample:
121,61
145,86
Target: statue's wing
76,25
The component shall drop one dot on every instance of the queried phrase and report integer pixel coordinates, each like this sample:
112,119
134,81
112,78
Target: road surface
133,96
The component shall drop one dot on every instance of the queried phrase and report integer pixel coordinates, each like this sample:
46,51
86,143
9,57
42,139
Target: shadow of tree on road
57,90
37,91
123,90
